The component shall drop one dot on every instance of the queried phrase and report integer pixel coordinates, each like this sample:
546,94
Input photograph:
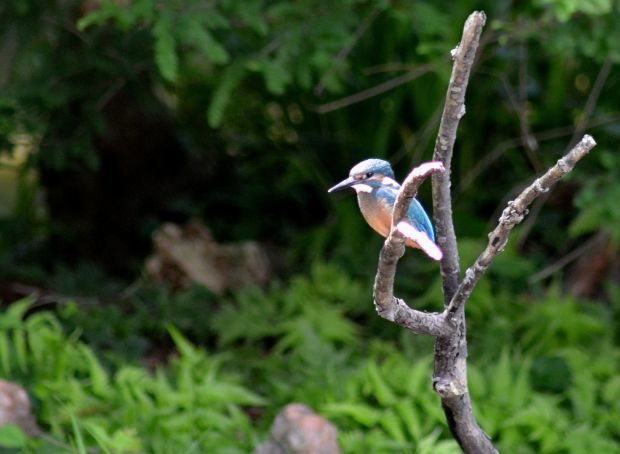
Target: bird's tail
420,240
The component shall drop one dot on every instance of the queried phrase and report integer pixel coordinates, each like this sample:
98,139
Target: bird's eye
369,174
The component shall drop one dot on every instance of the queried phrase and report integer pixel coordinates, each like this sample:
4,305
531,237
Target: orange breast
378,216
375,213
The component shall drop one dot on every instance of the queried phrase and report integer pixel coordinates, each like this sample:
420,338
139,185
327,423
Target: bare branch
409,189
591,102
346,50
510,144
389,68
454,109
395,309
450,369
386,304
564,261
580,128
374,91
512,215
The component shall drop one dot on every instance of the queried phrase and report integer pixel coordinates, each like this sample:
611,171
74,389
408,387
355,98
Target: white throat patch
361,187
390,182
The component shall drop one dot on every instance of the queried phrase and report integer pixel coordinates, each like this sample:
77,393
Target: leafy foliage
190,403
255,73
240,84
532,392
597,201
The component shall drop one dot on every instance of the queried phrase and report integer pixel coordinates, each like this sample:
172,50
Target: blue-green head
370,173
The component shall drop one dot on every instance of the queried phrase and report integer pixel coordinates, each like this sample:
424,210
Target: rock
183,256
298,430
15,408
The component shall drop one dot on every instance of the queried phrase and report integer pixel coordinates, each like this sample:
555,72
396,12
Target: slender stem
450,369
386,304
374,91
513,214
454,109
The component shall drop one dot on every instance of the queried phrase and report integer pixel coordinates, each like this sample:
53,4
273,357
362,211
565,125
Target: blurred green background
117,116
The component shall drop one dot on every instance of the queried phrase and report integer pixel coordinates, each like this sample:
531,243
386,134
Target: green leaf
77,435
381,390
587,221
198,36
126,440
97,17
13,316
220,391
276,76
254,17
106,11
98,375
502,382
215,20
20,348
406,412
611,391
100,435
393,426
222,95
361,413
165,49
11,436
185,347
5,354
565,9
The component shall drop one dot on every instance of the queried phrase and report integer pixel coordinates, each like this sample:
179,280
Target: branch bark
386,304
450,370
454,109
512,215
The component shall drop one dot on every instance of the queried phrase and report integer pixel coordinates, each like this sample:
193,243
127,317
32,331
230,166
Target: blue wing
420,220
416,214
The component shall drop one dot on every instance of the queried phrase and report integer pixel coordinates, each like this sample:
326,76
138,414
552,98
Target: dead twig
588,111
346,50
450,370
513,214
386,304
374,91
454,109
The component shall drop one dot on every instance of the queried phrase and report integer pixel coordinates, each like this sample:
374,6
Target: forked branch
454,109
450,372
387,305
512,215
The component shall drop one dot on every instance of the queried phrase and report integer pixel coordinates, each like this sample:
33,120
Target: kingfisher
373,180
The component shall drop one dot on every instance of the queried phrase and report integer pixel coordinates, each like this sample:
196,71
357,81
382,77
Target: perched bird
373,180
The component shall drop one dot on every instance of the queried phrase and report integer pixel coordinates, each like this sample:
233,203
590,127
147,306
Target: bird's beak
343,185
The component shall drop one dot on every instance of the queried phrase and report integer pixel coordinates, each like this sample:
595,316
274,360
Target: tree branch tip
588,140
427,168
477,15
